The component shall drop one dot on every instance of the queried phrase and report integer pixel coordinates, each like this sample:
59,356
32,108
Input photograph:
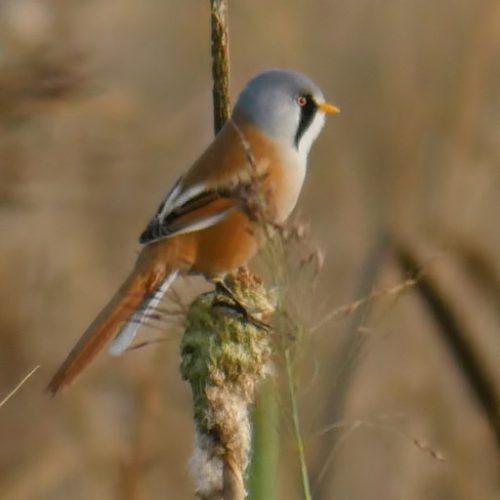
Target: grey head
286,105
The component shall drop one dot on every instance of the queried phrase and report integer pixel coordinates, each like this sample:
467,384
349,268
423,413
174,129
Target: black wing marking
171,223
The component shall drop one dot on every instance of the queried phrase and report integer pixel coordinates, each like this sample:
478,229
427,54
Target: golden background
103,103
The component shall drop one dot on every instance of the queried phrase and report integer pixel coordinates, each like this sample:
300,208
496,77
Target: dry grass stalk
18,386
220,62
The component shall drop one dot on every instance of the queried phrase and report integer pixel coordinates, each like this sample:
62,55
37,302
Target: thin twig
366,298
350,427
18,386
352,307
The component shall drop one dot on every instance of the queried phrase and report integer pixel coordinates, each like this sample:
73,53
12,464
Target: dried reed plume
225,354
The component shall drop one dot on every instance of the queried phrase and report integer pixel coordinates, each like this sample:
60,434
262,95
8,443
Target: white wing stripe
123,339
203,223
172,195
185,196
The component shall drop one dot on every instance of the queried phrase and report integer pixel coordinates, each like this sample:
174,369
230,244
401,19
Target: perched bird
211,222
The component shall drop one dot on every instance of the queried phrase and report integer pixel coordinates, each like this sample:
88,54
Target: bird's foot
221,287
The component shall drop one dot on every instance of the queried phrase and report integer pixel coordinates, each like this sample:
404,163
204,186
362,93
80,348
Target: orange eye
301,100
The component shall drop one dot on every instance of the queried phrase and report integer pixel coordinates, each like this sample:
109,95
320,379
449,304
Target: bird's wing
222,180
191,210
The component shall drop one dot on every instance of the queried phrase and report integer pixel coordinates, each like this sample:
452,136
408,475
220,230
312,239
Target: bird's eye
301,100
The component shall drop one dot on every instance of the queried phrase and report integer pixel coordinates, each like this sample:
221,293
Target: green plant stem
296,427
265,445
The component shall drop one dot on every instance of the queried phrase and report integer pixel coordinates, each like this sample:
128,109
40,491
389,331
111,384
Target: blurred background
103,104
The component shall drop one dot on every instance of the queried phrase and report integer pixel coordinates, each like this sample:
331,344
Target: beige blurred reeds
415,149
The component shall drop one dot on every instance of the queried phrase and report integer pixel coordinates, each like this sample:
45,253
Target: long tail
138,296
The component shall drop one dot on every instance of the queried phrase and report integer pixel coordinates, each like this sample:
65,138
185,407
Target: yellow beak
326,107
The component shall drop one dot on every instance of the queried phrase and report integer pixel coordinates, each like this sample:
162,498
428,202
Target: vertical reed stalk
220,62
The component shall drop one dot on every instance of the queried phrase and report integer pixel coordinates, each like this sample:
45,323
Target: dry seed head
224,356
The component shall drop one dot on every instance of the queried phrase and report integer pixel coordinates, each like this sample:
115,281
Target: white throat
310,135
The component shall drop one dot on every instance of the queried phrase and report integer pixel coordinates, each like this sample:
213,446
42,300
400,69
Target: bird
212,220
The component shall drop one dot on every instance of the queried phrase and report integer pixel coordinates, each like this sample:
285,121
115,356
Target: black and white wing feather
186,210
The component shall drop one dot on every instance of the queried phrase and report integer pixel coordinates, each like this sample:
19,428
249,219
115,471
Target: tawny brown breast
225,163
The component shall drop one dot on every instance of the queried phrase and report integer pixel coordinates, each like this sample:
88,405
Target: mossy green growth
225,347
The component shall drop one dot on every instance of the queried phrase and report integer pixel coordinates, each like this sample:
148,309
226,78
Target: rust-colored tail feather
138,286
